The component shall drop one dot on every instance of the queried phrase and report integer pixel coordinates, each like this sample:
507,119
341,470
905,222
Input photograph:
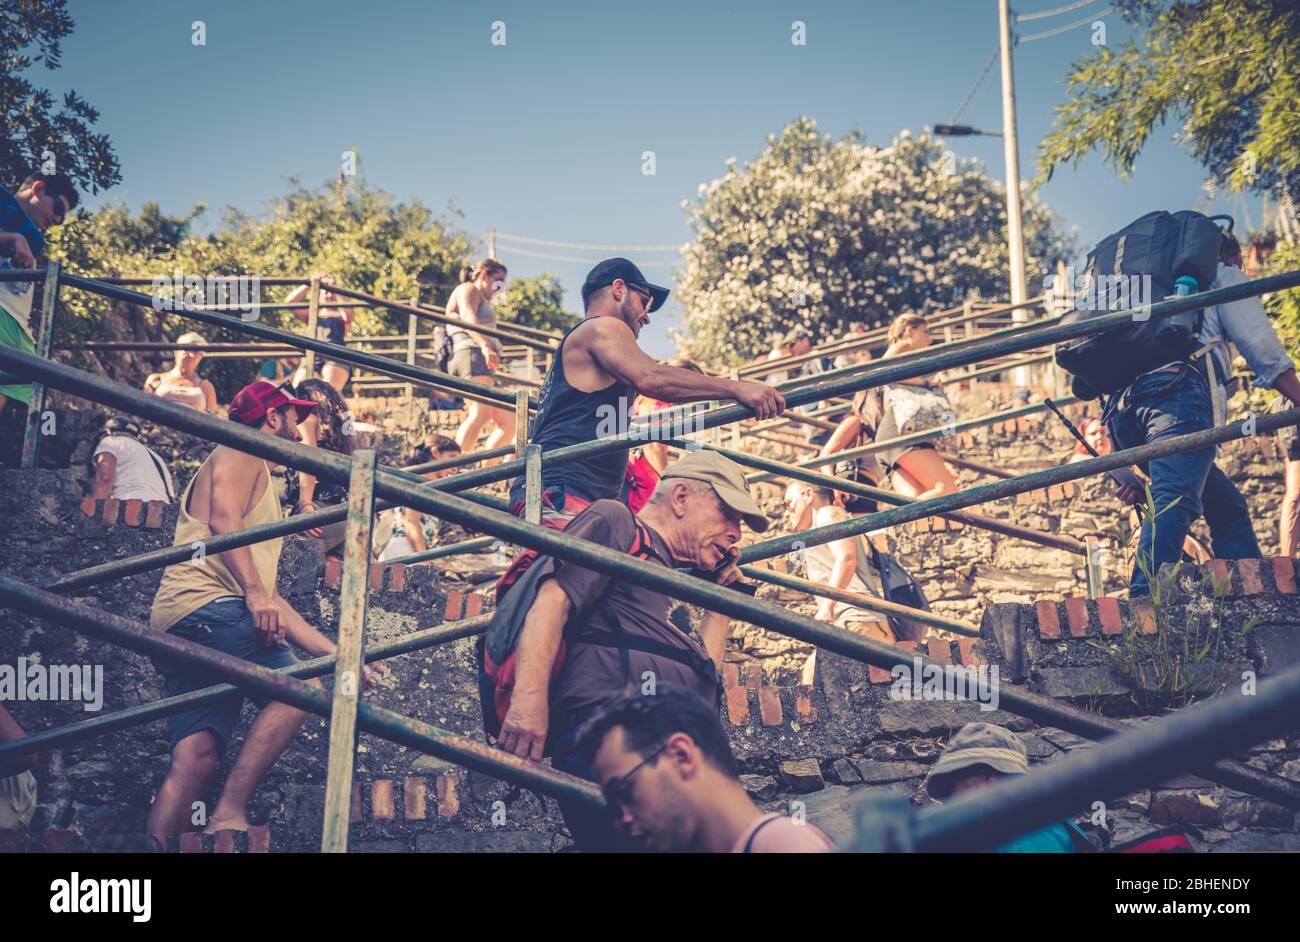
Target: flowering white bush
825,234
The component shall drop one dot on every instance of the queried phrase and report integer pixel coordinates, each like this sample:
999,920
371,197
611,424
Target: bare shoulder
152,380
240,465
603,330
832,513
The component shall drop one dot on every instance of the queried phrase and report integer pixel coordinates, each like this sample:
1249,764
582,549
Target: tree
825,234
1227,70
535,302
37,132
364,238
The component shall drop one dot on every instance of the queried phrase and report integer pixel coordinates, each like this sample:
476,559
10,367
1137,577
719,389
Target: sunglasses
647,298
618,791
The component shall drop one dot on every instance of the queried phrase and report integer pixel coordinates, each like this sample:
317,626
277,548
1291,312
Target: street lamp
963,130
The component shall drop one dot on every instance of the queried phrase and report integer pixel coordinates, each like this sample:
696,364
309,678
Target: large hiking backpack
515,592
1178,253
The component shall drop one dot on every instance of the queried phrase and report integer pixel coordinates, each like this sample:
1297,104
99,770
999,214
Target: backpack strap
162,475
749,844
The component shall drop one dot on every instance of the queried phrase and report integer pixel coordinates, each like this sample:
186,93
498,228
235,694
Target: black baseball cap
607,272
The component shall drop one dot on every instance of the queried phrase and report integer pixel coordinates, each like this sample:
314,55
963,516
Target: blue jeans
1156,409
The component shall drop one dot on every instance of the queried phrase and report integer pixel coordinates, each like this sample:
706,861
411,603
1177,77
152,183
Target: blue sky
543,136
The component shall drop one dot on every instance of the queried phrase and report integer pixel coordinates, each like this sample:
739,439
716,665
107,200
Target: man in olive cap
585,636
980,754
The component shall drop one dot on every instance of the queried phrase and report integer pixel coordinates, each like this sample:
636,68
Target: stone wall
821,746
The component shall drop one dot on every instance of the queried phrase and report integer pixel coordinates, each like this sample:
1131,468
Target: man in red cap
228,601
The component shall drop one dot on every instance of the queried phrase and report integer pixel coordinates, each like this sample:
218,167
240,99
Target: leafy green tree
33,125
1227,71
825,234
363,237
535,302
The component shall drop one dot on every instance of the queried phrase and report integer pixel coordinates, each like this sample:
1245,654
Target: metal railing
439,498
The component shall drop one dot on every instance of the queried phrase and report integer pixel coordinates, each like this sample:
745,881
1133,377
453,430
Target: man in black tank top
597,374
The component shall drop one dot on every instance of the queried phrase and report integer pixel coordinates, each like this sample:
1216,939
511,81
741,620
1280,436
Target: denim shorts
225,625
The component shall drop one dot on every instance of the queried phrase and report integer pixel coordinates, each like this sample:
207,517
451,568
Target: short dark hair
822,492
595,296
647,720
56,184
1230,250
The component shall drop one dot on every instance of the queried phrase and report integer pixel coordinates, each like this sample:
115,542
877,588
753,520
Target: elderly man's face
712,528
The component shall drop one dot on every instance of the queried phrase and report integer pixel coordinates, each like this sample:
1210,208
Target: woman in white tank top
182,383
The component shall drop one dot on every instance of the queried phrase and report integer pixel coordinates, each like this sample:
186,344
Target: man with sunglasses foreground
595,378
43,200
670,779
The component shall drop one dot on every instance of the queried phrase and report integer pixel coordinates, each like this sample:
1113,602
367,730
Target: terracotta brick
356,803
153,516
259,839
1049,623
738,705
769,705
453,608
224,842
1024,497
1055,493
110,510
414,794
1023,424
804,707
1251,582
397,578
191,842
133,513
1068,489
473,604
731,674
940,650
878,675
753,675
381,800
1145,615
1108,615
955,524
938,524
966,649
1076,613
906,645
448,801
89,506
1284,574
1220,571
375,576
333,571
923,525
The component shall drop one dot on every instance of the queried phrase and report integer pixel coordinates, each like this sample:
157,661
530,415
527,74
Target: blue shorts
225,625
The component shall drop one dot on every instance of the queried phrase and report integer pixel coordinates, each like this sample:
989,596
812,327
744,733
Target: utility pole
1011,147
492,243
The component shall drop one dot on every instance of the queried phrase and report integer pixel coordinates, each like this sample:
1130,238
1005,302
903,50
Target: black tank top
568,416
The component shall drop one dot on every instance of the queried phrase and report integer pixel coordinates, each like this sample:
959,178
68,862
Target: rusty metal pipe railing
378,721
681,586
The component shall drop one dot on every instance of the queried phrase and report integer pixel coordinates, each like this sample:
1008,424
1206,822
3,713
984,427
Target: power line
581,261
1026,17
588,245
1061,29
976,87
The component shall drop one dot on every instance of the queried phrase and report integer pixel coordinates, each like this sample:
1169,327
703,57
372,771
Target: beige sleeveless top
186,587
184,394
485,316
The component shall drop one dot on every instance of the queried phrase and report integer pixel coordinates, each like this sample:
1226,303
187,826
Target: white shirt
137,475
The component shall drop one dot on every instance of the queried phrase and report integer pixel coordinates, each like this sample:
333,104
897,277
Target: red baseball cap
254,401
